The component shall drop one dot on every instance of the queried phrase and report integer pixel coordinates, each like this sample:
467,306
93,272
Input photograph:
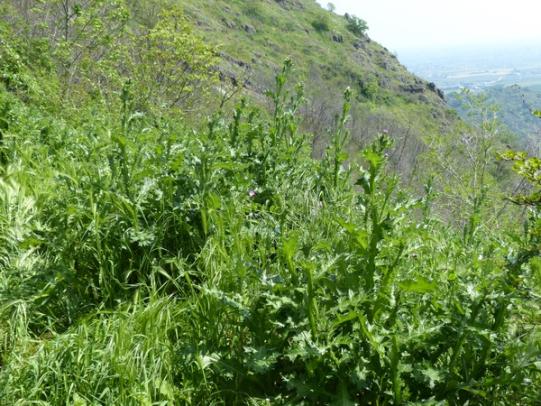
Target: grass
146,260
239,270
286,29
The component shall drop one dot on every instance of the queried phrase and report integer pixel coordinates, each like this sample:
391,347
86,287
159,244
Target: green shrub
321,23
369,87
356,25
254,9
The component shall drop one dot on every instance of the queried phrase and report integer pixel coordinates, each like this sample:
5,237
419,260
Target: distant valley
507,79
477,69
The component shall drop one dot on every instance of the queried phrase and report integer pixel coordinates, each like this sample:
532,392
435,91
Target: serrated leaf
433,376
204,361
373,158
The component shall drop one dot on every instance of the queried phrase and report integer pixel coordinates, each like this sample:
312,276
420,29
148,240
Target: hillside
169,239
255,37
513,106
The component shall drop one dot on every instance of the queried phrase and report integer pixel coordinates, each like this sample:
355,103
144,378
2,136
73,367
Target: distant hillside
256,36
513,104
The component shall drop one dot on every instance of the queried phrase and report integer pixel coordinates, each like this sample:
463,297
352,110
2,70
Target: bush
321,23
356,25
369,87
254,10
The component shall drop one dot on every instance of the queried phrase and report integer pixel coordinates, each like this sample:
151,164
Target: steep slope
256,36
146,260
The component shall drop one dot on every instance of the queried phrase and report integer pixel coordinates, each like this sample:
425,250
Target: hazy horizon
427,25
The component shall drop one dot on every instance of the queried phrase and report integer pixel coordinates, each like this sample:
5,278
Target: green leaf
364,182
204,361
373,158
433,376
359,236
290,246
419,285
165,388
78,400
343,398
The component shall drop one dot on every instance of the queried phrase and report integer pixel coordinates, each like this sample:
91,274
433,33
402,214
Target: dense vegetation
331,52
513,105
161,245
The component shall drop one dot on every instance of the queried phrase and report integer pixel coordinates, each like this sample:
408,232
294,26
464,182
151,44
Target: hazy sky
403,25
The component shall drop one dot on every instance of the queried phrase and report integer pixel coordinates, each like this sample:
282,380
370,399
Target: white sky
405,25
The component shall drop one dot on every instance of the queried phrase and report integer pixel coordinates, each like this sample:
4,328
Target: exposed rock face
413,88
337,38
439,92
290,4
250,29
228,23
235,61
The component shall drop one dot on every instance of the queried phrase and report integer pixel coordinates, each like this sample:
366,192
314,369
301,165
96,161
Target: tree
94,51
331,7
81,36
173,67
356,25
464,162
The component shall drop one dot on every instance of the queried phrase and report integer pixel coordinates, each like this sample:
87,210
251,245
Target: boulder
228,23
439,92
250,29
337,38
413,88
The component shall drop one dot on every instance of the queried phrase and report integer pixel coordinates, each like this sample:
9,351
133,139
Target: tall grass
143,262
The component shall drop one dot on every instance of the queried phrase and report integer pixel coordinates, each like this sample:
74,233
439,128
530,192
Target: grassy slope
227,267
256,36
115,291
